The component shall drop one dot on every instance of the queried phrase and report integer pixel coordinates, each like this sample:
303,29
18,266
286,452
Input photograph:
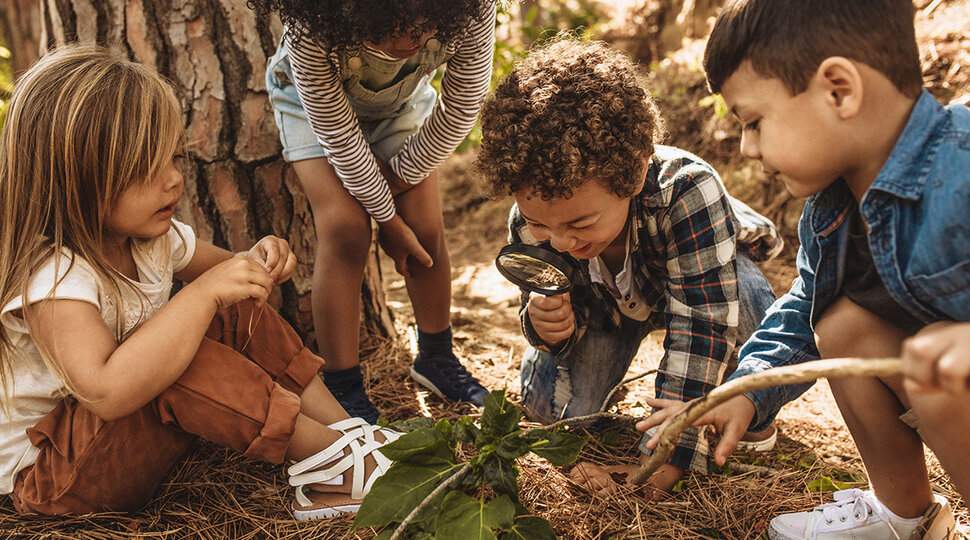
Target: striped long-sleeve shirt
317,75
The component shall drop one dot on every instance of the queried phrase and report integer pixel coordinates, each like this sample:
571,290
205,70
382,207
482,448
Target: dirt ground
219,494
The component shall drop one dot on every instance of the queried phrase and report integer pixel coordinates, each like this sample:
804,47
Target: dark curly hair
569,112
342,24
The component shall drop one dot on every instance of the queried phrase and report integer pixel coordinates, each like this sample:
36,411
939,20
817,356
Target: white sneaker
858,515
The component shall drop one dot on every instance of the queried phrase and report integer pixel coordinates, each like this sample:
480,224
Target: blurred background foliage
6,79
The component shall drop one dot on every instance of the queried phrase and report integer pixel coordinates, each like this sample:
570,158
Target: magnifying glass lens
532,273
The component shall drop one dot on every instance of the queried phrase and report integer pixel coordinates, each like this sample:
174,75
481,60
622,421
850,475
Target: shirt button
355,63
633,304
627,297
433,44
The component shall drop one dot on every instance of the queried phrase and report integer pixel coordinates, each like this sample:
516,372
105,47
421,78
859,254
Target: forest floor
218,494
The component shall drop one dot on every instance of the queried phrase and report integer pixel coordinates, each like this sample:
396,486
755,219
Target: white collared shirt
622,286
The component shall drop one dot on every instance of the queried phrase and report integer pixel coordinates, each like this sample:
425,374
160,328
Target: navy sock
436,344
343,379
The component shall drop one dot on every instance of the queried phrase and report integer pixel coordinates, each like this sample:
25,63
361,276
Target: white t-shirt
35,390
622,286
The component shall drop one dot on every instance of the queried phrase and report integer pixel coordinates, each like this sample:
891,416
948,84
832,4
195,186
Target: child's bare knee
346,235
846,329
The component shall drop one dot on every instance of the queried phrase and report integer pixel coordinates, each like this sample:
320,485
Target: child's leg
891,450
944,423
428,288
343,241
577,386
87,464
343,233
263,336
436,366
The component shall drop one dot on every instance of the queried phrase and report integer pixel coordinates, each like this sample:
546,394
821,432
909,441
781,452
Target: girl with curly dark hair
366,131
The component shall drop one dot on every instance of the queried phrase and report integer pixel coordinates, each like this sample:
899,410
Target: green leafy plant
434,496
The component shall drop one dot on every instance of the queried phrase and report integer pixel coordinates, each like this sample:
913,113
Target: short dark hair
788,39
570,112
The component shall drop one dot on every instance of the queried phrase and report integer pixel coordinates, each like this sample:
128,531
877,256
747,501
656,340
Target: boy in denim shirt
830,96
657,241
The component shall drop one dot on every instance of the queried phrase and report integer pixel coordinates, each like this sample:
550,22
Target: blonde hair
83,125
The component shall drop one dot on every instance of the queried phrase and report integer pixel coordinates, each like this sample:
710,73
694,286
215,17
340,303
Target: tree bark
214,52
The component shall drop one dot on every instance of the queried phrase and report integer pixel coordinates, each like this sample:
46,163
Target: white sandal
359,442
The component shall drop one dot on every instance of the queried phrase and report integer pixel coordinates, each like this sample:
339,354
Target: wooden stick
804,372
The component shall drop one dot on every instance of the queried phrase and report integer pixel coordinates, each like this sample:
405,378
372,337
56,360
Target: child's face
583,225
403,45
145,210
794,137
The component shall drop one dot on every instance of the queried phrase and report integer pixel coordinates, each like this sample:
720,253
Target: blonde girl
106,381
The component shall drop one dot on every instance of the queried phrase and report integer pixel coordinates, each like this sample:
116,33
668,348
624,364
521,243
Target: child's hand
551,317
605,480
399,242
276,257
937,359
731,420
233,280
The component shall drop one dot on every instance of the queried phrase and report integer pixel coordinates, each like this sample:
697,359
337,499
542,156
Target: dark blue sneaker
444,375
348,387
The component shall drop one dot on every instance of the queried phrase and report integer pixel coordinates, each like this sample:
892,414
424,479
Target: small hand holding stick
807,371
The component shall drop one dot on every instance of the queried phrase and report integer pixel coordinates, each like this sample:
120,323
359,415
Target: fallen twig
808,371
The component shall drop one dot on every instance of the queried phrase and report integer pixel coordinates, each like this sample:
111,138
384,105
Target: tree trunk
214,52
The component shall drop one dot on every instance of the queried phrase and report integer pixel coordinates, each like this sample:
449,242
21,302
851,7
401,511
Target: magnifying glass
536,269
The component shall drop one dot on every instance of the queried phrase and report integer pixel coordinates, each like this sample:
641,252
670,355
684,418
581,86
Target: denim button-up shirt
918,211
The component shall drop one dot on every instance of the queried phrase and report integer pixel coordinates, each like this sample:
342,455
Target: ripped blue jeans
552,390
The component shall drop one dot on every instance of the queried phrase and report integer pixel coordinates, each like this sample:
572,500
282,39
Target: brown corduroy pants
241,390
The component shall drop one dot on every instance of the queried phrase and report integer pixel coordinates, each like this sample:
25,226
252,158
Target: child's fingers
730,437
954,372
547,303
287,268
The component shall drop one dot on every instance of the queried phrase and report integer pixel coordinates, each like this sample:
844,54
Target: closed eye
750,126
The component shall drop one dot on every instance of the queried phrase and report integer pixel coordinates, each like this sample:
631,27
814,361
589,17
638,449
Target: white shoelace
857,505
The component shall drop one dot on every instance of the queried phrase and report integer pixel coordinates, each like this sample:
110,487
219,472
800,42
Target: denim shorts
386,136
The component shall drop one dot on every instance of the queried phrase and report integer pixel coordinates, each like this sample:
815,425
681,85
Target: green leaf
447,431
610,438
513,446
400,490
410,425
501,475
530,528
825,484
465,518
423,445
806,462
559,448
466,431
500,417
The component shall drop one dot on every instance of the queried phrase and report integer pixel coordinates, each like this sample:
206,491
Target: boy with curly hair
365,131
570,133
830,96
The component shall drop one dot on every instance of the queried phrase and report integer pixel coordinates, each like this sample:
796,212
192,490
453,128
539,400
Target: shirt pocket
947,292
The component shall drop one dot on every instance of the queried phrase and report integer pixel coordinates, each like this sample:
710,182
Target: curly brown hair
569,112
341,24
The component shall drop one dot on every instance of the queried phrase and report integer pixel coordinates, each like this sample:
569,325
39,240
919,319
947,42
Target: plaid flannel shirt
684,232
